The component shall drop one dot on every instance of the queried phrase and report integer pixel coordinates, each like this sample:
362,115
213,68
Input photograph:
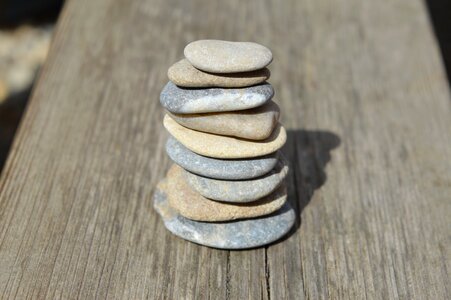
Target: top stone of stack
227,57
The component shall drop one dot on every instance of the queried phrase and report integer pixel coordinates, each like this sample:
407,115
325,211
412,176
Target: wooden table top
365,99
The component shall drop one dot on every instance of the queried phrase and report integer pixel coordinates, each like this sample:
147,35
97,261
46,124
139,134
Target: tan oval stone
219,146
194,206
227,57
254,124
183,74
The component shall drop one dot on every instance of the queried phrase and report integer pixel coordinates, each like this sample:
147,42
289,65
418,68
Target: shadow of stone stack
226,188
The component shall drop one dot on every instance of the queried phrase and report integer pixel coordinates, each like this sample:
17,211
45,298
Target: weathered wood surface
363,92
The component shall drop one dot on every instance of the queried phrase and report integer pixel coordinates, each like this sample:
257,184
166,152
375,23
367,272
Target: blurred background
26,28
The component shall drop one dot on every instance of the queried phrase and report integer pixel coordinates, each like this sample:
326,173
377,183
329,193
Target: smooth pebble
254,124
192,205
241,234
183,74
239,191
228,169
227,57
191,101
225,147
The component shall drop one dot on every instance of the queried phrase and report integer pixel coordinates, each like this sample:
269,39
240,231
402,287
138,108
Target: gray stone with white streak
190,101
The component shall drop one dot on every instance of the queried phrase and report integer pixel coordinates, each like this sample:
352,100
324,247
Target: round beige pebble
227,57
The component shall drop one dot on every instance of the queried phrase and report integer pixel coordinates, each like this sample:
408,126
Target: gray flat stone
194,206
226,169
239,191
227,57
241,234
190,101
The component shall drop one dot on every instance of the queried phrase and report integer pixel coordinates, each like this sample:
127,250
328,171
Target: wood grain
363,93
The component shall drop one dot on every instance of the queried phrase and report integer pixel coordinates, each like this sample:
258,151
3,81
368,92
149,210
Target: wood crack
267,275
227,283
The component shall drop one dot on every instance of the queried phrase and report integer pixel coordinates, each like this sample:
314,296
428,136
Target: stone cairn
226,189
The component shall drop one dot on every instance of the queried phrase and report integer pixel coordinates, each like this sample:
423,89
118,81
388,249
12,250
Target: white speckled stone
227,57
242,234
228,169
191,101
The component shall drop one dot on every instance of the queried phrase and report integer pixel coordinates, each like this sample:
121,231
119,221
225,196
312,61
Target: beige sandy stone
254,124
227,57
194,206
183,74
219,146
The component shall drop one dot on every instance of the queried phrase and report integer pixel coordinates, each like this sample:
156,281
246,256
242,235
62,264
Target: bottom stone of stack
242,234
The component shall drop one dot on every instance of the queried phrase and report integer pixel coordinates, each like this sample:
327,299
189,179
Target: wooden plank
363,94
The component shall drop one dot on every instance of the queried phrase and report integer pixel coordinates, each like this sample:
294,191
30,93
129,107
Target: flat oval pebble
239,191
242,234
191,101
219,168
227,57
183,74
194,206
226,147
254,124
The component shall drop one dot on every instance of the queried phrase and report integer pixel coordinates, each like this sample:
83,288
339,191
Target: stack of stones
226,188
